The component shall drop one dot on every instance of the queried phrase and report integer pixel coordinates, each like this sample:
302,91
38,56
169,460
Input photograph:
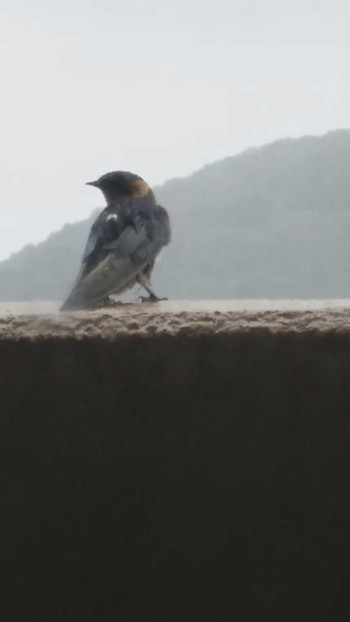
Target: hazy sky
156,87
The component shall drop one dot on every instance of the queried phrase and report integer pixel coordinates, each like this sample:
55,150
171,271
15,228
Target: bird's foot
150,299
109,302
104,303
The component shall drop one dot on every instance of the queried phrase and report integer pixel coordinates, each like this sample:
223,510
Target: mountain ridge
273,221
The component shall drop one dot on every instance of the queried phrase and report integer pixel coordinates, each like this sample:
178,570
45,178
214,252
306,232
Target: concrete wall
160,477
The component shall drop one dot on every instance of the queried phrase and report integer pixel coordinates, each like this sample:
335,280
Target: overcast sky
156,87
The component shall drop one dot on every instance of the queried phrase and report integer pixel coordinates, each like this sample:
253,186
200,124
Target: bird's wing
136,246
105,228
103,231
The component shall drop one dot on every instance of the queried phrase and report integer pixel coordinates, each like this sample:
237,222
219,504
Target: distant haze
160,88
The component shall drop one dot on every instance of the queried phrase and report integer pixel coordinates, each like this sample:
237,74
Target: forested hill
272,222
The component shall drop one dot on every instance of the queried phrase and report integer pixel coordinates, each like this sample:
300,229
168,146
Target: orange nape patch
140,188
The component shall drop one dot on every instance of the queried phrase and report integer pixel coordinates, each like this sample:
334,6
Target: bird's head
121,185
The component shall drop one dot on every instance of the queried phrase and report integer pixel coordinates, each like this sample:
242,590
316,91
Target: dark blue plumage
123,244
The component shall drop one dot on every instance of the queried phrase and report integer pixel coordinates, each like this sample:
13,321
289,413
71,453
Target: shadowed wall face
176,479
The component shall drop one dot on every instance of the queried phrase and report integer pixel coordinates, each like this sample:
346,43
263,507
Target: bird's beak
92,183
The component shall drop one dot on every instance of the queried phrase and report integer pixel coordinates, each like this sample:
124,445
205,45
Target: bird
123,243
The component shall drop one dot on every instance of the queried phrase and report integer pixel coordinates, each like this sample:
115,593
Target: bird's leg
152,296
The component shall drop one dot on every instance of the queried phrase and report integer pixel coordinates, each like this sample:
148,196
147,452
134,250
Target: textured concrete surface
163,464
42,321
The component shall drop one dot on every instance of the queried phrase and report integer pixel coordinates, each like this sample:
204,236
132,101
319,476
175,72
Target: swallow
123,243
